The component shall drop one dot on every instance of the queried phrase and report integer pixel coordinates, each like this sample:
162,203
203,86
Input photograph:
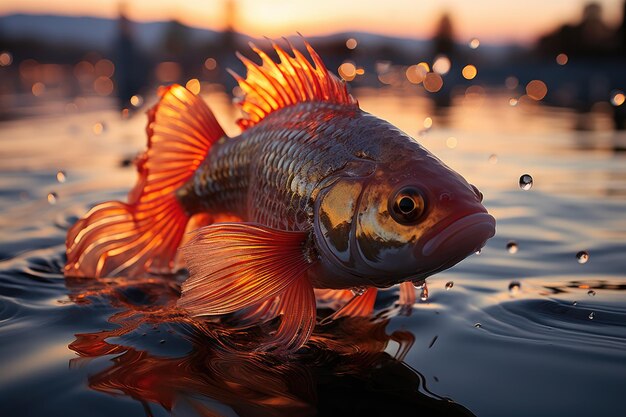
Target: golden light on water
469,72
562,59
474,43
38,89
617,98
351,43
347,71
5,59
442,65
536,89
193,85
103,86
210,64
433,82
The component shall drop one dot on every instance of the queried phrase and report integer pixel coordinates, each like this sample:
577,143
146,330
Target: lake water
530,333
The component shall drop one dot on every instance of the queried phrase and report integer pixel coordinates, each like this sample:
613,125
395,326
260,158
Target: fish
315,196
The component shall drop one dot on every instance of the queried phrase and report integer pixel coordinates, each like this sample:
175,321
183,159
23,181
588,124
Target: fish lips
465,235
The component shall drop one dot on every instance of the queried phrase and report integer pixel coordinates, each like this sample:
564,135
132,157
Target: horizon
504,24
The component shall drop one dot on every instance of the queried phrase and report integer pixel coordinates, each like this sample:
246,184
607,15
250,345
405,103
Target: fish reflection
350,366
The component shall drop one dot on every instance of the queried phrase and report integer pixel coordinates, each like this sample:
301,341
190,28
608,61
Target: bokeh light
469,72
474,43
416,73
103,86
511,82
617,98
347,71
5,59
210,64
104,68
193,85
168,71
136,100
351,43
536,89
38,89
442,65
562,59
433,82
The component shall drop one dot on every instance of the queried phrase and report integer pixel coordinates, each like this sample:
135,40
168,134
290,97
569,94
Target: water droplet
591,293
358,290
493,159
424,293
478,325
478,252
61,177
582,257
514,287
575,303
162,341
526,182
449,285
591,315
419,283
52,198
512,247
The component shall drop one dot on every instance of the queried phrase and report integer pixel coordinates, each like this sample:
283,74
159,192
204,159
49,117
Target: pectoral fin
235,266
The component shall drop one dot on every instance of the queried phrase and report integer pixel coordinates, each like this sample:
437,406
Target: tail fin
117,238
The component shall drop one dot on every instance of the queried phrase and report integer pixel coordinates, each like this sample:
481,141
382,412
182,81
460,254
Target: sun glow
489,20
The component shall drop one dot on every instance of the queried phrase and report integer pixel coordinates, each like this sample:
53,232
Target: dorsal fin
274,85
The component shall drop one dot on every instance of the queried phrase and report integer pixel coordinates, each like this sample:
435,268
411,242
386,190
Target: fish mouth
468,234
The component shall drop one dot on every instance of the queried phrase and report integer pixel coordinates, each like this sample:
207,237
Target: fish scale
272,171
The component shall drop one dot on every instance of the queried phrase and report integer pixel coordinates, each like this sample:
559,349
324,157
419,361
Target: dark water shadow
205,368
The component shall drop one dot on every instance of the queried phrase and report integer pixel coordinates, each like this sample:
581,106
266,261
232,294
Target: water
545,348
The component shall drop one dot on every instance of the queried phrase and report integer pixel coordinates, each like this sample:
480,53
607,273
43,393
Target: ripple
559,322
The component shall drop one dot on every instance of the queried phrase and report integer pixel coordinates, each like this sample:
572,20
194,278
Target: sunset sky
490,20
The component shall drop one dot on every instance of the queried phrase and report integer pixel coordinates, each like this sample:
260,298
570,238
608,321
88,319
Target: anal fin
360,306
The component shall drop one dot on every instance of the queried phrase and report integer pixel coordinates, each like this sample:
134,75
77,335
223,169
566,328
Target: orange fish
324,196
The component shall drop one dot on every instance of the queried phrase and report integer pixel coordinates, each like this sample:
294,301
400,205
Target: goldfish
314,195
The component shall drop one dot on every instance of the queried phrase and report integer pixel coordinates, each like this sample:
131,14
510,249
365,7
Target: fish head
407,220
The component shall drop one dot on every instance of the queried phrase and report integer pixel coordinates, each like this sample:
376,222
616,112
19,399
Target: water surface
551,344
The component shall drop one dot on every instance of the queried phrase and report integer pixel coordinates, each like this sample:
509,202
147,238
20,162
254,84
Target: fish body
326,196
282,173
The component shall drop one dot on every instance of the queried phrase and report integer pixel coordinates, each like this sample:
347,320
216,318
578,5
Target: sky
495,21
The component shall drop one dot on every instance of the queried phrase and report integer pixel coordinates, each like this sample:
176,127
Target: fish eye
407,206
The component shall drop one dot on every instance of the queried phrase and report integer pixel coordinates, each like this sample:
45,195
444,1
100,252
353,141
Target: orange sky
490,20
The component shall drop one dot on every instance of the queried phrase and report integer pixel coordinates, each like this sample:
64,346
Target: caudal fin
116,238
